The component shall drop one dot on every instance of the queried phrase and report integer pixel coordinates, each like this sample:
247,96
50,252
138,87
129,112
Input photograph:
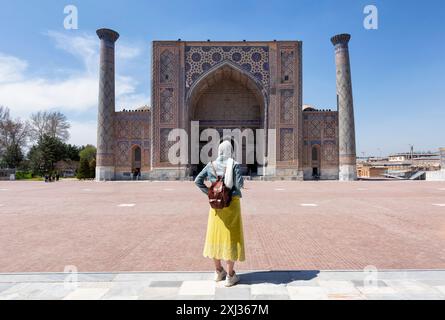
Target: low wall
438,175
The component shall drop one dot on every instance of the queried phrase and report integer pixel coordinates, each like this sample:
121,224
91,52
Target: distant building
67,168
412,156
366,170
438,175
401,165
5,174
320,152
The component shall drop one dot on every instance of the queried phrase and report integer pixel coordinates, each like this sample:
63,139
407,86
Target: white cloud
11,68
76,92
83,133
125,52
84,47
28,96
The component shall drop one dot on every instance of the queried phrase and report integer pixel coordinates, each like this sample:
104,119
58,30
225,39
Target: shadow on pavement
277,277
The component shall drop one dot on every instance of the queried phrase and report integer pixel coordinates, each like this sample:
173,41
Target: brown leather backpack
219,195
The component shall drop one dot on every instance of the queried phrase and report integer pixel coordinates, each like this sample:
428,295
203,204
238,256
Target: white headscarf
225,153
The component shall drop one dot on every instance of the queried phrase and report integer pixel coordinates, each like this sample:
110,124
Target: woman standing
224,239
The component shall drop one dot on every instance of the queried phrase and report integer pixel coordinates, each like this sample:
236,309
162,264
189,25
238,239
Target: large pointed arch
216,73
228,69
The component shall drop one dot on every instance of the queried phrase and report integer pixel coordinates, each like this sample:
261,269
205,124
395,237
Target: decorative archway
225,68
227,97
136,158
316,160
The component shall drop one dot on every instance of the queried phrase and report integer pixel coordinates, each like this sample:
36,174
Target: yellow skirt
225,238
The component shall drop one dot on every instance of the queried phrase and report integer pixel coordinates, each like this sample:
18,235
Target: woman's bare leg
230,266
218,265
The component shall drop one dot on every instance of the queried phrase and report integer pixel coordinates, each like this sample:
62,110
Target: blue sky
398,70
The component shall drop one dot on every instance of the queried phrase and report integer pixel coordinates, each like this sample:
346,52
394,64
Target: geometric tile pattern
330,126
132,128
315,126
123,128
136,130
252,59
287,145
167,68
287,65
346,125
179,65
167,107
330,152
167,75
320,128
105,125
123,153
164,144
287,106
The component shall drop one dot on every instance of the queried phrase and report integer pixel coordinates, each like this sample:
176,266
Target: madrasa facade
227,85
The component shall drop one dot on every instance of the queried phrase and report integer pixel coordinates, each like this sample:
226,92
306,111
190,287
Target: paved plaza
256,285
160,226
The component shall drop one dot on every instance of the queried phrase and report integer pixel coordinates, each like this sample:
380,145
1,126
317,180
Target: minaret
346,127
106,108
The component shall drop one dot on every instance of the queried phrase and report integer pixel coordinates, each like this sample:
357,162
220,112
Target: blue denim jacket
209,173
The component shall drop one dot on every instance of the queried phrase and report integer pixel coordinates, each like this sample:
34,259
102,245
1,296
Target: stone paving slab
254,285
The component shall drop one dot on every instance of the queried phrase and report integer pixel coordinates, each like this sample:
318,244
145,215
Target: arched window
137,154
136,157
315,153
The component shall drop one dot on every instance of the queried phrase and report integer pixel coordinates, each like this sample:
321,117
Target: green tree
93,168
36,163
13,156
88,155
88,152
72,152
45,154
84,169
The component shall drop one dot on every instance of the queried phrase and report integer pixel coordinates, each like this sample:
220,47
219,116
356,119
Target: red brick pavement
391,225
